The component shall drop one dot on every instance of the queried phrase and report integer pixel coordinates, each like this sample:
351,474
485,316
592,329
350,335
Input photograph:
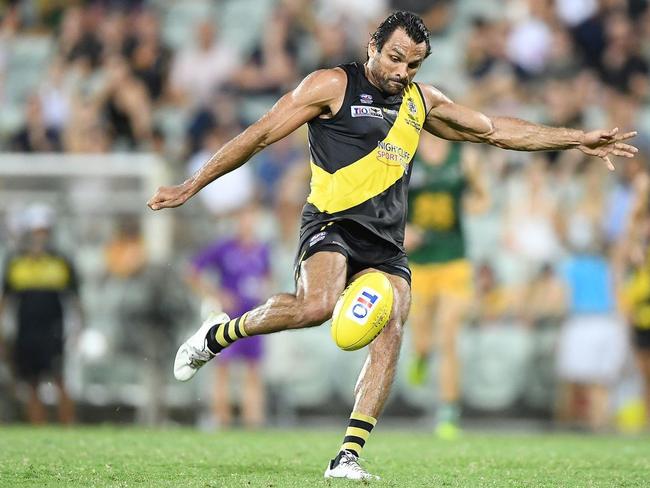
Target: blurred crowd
558,255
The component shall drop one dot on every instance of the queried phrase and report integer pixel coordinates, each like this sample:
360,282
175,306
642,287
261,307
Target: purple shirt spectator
242,269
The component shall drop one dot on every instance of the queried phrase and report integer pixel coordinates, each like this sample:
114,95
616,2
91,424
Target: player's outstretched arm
452,121
319,93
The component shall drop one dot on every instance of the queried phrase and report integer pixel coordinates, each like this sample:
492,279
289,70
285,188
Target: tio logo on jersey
362,305
366,111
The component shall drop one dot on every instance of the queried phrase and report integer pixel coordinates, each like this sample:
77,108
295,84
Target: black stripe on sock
361,424
211,337
354,439
237,330
226,336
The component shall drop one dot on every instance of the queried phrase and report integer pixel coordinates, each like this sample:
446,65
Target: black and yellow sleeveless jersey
435,206
361,158
38,283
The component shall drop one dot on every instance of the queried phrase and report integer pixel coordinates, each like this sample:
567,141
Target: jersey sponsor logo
316,238
393,153
362,305
362,111
365,98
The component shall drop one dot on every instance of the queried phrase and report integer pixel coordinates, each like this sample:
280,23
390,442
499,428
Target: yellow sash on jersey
378,170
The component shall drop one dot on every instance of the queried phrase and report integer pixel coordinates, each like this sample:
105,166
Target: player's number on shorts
434,211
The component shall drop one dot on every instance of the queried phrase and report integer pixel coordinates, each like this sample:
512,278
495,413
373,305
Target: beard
393,87
388,85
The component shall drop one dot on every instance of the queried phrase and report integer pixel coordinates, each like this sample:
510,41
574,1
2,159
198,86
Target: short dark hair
410,22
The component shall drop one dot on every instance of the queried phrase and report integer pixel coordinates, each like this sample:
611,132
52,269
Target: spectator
545,299
622,66
620,200
125,254
149,57
112,34
636,287
126,104
199,71
56,97
271,68
494,301
482,53
79,39
85,132
637,300
545,311
530,41
242,268
592,349
39,279
333,45
36,136
274,164
231,192
152,302
531,233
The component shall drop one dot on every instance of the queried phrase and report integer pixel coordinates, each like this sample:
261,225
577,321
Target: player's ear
372,48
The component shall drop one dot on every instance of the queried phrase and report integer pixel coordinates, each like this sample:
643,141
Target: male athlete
364,124
444,179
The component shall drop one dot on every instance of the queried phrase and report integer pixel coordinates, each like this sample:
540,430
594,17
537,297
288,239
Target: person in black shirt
37,279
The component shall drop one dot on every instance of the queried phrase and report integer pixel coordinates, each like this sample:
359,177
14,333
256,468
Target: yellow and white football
362,311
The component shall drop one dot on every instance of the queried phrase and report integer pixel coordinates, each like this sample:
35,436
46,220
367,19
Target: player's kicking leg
372,388
322,279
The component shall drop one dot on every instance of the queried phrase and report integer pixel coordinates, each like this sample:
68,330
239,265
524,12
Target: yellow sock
357,433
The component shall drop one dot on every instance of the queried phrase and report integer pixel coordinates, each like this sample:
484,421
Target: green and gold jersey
361,159
435,206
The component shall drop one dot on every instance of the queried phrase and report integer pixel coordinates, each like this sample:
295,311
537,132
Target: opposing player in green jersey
445,177
364,124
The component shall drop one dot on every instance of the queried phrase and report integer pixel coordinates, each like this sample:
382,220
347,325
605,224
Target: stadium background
103,101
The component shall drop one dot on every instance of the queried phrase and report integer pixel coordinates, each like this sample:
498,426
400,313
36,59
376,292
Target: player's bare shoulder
325,88
433,97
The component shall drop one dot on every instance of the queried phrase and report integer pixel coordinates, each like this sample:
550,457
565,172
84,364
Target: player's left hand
603,143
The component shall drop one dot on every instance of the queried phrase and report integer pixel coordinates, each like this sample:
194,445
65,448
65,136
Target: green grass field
121,457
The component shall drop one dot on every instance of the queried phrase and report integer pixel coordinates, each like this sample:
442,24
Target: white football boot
346,465
194,352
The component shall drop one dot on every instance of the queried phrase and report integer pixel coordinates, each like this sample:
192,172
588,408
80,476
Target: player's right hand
169,197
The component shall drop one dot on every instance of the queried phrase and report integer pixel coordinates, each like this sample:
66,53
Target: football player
364,123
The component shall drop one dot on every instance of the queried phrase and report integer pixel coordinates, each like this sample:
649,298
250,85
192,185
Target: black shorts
641,338
362,249
39,352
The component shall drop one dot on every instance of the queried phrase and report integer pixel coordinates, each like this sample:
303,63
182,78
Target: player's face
395,66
